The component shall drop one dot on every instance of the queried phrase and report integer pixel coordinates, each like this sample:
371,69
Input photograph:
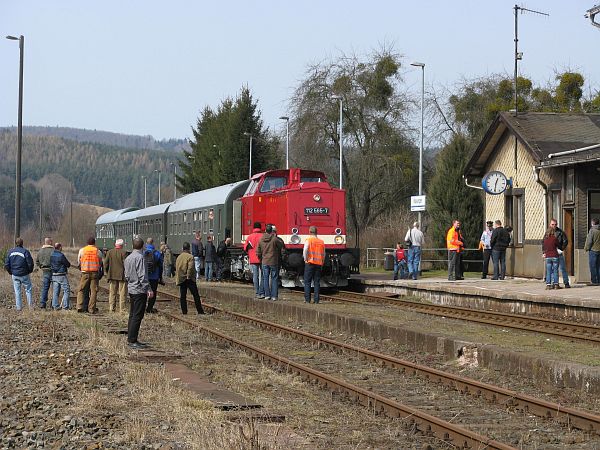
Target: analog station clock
495,182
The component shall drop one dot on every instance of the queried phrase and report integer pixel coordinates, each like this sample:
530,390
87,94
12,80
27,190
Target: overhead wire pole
21,40
518,57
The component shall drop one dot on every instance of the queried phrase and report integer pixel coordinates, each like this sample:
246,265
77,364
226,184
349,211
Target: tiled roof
547,133
543,134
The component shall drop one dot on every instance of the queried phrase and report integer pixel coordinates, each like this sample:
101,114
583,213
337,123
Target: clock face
495,183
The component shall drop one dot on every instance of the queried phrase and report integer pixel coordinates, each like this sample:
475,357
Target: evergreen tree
448,197
220,147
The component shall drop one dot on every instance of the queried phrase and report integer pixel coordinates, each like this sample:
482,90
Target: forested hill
105,137
103,175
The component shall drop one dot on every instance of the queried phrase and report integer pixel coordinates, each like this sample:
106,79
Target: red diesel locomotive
293,200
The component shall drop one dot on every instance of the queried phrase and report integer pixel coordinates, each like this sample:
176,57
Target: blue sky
150,67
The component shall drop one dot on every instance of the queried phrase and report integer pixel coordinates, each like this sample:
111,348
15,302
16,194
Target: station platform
515,295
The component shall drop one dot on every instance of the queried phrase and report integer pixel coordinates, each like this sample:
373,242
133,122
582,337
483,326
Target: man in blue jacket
19,264
60,265
154,264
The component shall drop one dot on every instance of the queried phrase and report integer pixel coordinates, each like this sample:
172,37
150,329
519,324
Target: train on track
291,199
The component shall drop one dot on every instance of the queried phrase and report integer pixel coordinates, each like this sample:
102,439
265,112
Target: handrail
375,261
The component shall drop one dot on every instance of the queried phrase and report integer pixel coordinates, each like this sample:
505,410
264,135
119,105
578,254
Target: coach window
205,215
219,222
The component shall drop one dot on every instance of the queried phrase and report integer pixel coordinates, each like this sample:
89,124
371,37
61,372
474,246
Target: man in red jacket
250,248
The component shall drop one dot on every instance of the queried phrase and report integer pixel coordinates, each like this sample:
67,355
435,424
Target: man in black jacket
563,241
499,242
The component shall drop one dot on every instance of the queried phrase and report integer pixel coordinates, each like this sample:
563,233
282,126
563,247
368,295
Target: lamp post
174,181
21,40
250,154
287,141
156,170
422,66
340,98
145,191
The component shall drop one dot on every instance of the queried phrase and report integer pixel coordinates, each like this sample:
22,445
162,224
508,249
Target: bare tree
379,159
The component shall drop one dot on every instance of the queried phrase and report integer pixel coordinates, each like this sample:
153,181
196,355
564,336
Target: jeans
594,260
400,266
257,279
198,263
136,314
46,280
18,282
60,282
183,288
499,259
414,261
551,271
312,273
487,254
208,270
562,267
270,280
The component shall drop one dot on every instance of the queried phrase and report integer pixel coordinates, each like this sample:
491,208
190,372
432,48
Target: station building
552,162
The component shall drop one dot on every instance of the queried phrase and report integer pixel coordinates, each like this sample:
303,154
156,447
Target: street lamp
287,141
145,191
250,154
340,98
21,40
174,181
156,170
422,66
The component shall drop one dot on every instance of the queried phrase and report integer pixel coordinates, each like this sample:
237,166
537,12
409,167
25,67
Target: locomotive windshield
272,183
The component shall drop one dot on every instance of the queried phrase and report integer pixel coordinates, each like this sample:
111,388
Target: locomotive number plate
315,210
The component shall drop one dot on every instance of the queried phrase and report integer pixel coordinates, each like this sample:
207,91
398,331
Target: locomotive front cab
294,200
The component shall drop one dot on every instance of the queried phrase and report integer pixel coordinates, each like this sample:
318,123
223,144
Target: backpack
151,262
222,250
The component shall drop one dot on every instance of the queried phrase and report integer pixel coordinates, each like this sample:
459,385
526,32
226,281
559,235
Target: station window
593,205
556,207
514,215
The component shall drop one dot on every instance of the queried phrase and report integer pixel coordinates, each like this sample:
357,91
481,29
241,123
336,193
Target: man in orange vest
89,260
455,245
314,257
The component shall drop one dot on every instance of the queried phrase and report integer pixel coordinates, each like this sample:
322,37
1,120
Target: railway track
570,417
564,329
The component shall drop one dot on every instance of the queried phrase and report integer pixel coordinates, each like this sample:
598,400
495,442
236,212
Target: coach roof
153,210
209,197
112,216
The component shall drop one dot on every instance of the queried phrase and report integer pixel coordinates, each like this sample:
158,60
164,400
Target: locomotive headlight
339,239
338,231
317,198
294,230
295,239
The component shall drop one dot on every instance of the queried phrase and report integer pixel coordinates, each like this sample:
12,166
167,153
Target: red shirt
252,245
400,254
